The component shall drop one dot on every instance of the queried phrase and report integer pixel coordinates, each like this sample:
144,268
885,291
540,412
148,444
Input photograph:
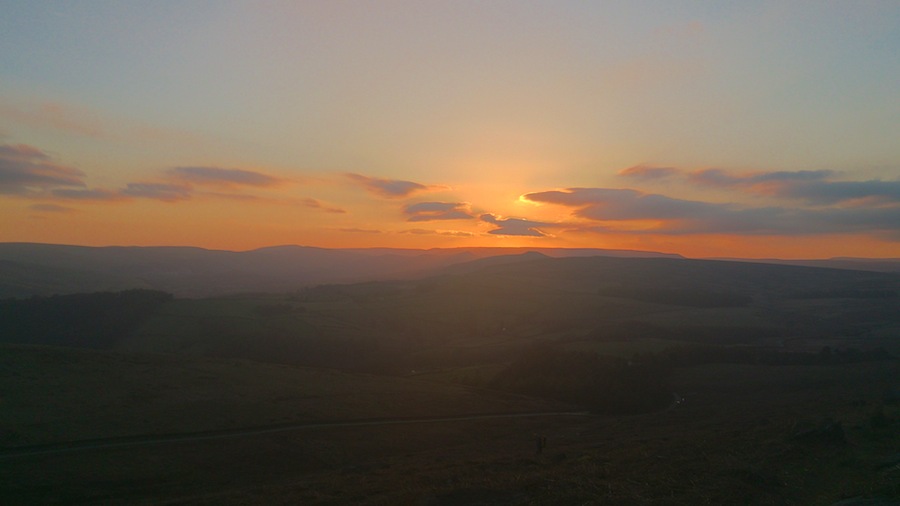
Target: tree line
86,320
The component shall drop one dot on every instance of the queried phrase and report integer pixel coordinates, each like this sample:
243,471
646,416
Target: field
763,434
471,318
653,381
143,394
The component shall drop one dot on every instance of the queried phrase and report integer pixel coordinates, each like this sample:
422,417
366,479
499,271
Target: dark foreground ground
743,434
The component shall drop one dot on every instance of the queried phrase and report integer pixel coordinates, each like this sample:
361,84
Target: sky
710,129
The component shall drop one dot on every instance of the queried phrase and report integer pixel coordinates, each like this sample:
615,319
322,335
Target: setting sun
719,131
449,252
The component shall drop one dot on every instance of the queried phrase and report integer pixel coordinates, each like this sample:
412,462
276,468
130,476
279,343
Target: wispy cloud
154,191
94,195
430,211
239,197
514,226
722,178
425,231
390,188
51,208
315,204
360,230
835,192
648,172
274,200
217,176
25,170
725,179
30,172
158,191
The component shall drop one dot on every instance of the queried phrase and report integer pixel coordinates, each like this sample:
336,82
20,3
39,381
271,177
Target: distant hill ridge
28,269
850,263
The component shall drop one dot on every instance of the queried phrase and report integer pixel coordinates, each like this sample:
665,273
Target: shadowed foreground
743,434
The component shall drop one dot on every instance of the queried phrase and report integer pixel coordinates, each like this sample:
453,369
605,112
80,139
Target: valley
653,381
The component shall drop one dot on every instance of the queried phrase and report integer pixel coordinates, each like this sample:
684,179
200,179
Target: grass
56,394
624,348
731,441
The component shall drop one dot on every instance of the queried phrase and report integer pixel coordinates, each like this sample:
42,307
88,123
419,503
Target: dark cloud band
389,188
25,170
223,177
429,211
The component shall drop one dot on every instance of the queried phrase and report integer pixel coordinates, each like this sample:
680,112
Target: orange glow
423,127
221,224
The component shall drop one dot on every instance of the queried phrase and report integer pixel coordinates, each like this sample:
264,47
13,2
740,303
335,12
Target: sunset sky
732,128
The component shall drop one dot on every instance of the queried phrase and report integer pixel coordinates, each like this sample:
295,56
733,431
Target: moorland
431,378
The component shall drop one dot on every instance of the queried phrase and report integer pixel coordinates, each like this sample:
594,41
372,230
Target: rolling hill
487,310
28,269
767,387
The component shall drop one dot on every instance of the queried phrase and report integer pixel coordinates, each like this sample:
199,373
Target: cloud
722,178
390,188
241,197
96,194
452,233
315,204
605,204
672,215
51,208
834,192
360,231
812,186
246,197
29,172
514,226
616,209
217,176
158,191
645,172
428,211
22,152
178,191
155,191
816,187
25,170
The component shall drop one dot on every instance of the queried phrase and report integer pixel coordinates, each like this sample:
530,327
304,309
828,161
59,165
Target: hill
858,264
28,269
54,394
481,313
742,383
